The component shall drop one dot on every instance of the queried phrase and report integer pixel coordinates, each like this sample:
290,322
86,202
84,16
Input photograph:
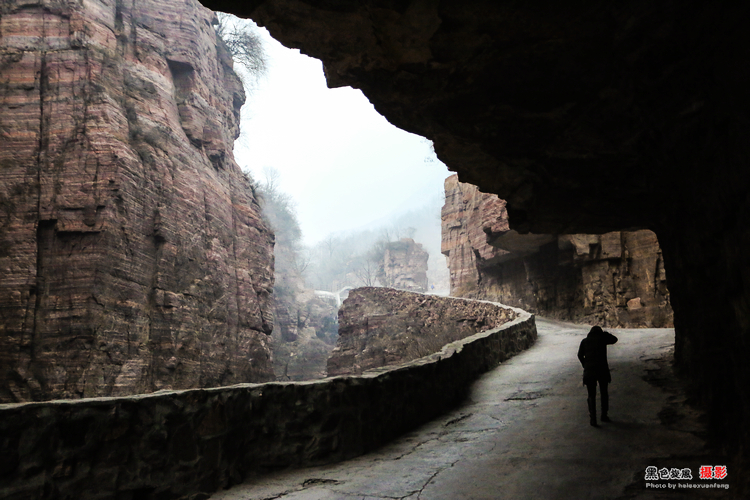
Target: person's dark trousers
591,386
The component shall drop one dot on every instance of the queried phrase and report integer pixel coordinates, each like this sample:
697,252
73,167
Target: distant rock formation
132,254
382,327
404,266
615,279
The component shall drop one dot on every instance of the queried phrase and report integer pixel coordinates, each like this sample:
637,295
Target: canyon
132,250
305,330
134,257
615,279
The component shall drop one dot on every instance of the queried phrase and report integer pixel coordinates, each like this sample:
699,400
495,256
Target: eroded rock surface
616,279
405,265
383,327
132,254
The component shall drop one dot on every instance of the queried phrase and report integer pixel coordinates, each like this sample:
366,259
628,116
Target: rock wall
405,265
188,444
385,327
132,254
615,279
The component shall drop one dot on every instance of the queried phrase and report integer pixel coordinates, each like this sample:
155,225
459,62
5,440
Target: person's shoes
593,423
605,418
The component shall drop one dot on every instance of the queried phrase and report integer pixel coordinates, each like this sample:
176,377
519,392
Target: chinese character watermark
654,474
679,479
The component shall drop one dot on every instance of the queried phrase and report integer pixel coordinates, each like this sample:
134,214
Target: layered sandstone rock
405,265
615,279
132,254
305,326
383,327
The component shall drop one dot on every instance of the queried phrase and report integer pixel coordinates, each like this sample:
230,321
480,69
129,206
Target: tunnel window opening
353,201
343,169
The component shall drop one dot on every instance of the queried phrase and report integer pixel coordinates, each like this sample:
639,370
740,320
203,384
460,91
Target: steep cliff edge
615,279
305,326
304,335
132,254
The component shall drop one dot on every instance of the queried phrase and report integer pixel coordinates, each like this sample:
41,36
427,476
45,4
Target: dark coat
593,355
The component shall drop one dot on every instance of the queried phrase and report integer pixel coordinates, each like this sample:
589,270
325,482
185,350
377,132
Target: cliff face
132,254
464,216
305,337
382,327
615,279
405,265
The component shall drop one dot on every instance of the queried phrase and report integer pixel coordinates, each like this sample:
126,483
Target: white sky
344,165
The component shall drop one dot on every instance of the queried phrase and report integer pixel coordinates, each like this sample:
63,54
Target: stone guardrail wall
188,444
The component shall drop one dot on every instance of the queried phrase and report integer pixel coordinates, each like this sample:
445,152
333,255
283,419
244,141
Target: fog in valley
347,179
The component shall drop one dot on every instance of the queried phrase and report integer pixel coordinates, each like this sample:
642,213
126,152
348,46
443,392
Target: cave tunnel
586,117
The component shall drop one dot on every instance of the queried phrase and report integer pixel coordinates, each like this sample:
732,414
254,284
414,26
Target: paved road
524,434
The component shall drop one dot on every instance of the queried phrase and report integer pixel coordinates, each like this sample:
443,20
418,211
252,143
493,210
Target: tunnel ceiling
582,115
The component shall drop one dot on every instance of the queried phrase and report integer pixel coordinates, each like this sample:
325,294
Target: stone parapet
187,444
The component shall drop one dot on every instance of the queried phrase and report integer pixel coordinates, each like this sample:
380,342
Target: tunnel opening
352,199
659,107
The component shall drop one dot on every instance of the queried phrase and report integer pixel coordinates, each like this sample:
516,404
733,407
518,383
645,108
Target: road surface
524,433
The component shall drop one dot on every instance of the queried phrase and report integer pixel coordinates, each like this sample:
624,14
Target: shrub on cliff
244,42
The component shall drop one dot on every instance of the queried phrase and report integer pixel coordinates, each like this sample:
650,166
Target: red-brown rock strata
132,254
615,279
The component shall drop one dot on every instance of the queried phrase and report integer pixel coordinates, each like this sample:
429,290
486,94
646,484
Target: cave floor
523,433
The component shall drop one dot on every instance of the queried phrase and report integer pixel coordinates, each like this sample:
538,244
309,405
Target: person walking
593,356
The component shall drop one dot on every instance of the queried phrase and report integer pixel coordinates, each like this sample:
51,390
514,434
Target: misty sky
344,165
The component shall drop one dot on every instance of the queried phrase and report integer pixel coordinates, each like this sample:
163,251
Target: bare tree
330,244
367,272
302,262
271,177
244,42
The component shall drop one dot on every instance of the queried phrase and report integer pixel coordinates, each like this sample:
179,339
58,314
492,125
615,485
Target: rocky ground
523,433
